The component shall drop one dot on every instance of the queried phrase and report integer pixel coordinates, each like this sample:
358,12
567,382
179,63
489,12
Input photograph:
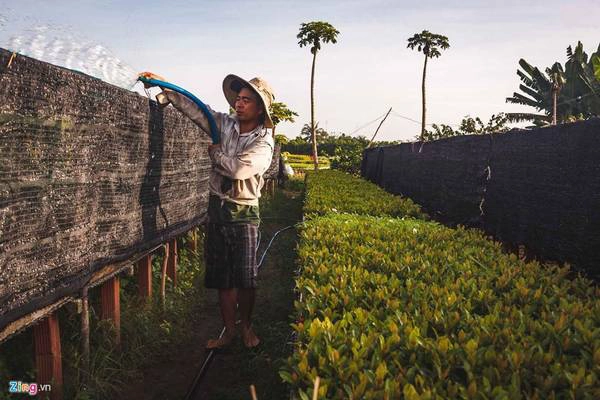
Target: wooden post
193,240
315,395
377,130
48,361
163,273
85,332
111,305
172,262
144,276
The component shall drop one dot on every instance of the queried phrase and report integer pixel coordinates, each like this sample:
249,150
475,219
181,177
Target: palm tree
307,133
279,113
430,44
313,34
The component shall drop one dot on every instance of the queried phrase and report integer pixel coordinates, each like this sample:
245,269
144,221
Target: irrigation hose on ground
192,391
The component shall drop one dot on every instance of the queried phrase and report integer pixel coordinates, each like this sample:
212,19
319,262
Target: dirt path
171,377
234,370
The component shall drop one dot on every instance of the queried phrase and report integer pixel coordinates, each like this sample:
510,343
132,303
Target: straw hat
232,84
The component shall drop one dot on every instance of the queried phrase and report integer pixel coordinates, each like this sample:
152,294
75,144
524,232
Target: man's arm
193,112
254,160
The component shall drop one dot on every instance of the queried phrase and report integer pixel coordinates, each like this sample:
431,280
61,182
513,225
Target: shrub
336,191
348,159
393,308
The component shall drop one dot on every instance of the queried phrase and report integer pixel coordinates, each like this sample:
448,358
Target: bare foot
224,341
250,338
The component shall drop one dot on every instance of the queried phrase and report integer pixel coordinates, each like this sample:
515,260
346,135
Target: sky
195,44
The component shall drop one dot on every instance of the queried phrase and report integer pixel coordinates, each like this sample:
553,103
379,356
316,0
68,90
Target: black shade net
539,188
90,174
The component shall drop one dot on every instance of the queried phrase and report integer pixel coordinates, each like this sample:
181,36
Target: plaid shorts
230,256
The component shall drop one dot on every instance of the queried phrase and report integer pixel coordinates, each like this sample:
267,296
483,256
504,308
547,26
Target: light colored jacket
238,167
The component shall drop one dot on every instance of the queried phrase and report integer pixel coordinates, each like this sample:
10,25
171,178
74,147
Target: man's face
247,106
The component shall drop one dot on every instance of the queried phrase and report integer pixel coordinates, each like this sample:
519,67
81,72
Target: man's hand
150,75
213,147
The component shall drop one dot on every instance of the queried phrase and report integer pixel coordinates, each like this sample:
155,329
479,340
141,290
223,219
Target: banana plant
596,64
560,94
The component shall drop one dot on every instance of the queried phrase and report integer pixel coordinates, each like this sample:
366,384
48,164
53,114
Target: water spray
57,45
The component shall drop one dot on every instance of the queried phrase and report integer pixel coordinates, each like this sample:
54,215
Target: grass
16,361
148,332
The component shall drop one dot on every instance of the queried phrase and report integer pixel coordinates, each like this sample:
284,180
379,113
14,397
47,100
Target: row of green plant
302,158
406,308
338,192
303,167
343,152
302,162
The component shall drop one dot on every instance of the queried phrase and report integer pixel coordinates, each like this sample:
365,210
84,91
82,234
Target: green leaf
380,372
285,376
303,395
596,64
410,393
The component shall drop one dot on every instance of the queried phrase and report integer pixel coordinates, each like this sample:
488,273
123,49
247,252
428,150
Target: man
238,163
